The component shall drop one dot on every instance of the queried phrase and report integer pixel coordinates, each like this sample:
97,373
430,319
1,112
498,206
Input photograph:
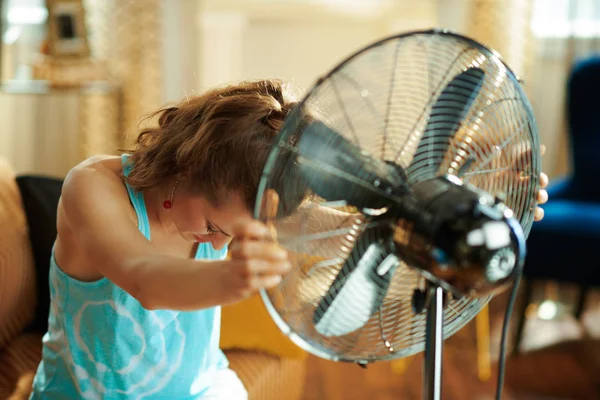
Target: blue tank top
102,344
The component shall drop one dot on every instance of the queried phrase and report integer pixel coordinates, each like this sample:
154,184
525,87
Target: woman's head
213,146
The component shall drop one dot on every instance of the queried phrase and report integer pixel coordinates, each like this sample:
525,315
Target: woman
138,269
141,245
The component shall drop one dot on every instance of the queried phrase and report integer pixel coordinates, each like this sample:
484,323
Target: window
566,18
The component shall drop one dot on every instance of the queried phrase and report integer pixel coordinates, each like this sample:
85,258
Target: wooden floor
560,359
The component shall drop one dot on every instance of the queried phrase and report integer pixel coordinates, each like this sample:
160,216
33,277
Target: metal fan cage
379,99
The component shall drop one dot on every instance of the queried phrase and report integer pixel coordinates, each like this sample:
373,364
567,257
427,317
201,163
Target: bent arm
96,206
166,282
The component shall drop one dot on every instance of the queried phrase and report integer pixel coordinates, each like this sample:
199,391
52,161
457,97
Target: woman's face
198,220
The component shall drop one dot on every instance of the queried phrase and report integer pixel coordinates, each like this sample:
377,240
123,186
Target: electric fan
404,185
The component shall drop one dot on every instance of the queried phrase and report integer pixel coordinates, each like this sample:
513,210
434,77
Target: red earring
169,203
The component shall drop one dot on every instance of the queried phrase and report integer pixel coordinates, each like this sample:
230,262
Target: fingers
257,260
271,206
248,249
266,282
256,274
543,180
539,214
251,230
257,268
524,156
542,196
257,230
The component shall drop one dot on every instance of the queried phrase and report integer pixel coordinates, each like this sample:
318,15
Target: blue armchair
564,246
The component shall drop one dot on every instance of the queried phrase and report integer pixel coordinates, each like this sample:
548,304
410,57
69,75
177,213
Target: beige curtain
559,43
503,25
542,58
127,35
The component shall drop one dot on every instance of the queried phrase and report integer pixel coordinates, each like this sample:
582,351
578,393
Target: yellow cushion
247,325
268,377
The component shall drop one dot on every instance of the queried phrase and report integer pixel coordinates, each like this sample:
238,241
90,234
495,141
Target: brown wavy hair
217,142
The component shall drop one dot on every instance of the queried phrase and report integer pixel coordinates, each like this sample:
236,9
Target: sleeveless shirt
102,344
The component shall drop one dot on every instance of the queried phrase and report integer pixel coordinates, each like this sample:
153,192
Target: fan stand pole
432,371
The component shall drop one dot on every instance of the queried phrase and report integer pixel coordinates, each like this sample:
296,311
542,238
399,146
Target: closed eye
210,230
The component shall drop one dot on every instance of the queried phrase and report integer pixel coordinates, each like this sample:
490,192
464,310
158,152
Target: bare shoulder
93,186
107,166
99,172
94,202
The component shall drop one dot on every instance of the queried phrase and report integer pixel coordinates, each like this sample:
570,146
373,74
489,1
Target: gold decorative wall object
127,34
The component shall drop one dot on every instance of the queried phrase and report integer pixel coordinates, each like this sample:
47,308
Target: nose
219,243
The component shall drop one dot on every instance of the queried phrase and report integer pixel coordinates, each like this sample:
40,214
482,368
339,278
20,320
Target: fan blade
444,119
335,169
360,286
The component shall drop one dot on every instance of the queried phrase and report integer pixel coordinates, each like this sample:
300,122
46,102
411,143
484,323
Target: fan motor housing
460,237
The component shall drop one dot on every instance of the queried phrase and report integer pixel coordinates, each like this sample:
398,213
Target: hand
513,177
256,261
542,196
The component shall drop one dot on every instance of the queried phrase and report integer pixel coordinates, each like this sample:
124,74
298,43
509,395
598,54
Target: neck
157,214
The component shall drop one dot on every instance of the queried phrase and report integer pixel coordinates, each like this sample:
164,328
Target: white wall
212,42
297,41
300,52
180,48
